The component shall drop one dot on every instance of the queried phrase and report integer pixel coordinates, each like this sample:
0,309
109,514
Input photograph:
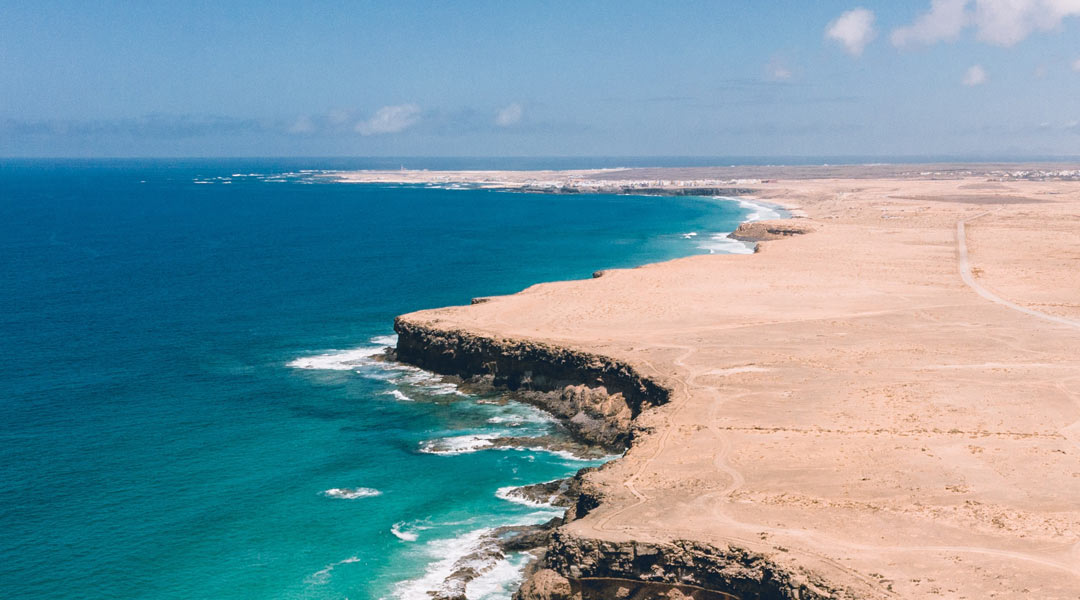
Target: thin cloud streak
390,119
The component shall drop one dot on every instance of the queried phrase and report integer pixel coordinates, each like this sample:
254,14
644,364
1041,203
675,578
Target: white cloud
976,75
999,22
1076,65
853,29
390,119
944,21
509,115
1006,22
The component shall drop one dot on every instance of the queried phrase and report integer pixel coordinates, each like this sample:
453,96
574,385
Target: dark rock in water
519,538
552,443
555,493
488,552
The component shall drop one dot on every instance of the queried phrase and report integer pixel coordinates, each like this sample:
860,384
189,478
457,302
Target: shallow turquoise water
159,434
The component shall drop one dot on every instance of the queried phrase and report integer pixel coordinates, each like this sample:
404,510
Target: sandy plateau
886,405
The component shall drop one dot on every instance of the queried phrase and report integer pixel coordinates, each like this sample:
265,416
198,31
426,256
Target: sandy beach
882,403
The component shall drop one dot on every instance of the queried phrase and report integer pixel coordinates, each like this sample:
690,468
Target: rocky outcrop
581,569
760,231
552,443
596,397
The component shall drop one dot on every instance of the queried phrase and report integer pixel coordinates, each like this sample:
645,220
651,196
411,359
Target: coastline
597,400
593,398
588,549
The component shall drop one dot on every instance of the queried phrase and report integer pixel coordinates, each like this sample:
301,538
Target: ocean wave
566,455
758,211
408,531
459,444
399,395
476,442
351,493
345,360
511,421
512,493
363,360
501,580
322,576
385,340
474,550
720,243
516,414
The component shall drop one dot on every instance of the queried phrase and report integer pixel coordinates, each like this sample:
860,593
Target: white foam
500,581
363,361
497,579
443,389
322,576
447,553
513,494
692,234
505,420
516,414
460,444
563,454
385,340
720,243
408,531
400,395
344,360
758,211
351,493
466,444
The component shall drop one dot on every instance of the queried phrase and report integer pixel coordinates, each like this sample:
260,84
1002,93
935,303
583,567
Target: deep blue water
159,437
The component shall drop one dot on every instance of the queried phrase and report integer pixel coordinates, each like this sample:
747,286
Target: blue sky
923,77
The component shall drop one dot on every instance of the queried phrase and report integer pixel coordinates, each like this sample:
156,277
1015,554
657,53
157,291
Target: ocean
191,407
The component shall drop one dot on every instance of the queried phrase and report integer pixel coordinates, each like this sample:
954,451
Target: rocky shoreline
597,398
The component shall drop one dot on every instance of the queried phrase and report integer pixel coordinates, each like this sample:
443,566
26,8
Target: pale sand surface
843,401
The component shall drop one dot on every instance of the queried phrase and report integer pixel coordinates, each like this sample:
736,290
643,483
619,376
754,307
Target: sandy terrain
891,401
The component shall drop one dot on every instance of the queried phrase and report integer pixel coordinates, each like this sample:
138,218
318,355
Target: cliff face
597,398
593,569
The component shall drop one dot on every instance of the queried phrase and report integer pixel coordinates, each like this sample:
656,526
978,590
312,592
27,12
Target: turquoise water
189,408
